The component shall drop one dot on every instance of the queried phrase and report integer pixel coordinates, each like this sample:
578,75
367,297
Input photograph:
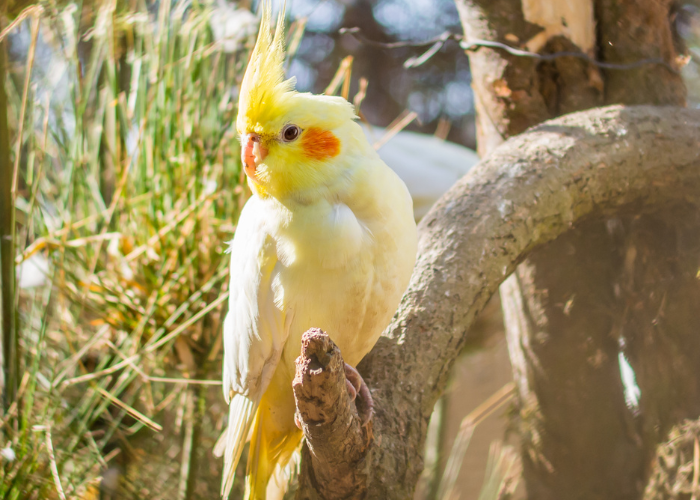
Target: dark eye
290,133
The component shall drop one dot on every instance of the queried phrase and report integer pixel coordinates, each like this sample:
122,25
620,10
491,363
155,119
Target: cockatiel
327,240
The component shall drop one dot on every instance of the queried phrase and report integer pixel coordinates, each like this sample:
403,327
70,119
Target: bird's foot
356,386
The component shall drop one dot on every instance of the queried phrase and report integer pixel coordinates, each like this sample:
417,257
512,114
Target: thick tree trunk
573,306
514,93
561,316
660,286
526,193
629,31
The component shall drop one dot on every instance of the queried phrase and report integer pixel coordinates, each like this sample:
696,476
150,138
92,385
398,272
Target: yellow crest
263,85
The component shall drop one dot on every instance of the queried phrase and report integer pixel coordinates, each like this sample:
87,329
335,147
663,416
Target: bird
327,240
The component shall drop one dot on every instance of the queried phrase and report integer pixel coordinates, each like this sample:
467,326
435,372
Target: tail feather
279,483
269,454
240,417
259,467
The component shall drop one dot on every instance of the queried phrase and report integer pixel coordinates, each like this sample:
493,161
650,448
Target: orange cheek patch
319,144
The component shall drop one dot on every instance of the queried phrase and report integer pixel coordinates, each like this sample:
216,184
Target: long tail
270,452
279,482
240,417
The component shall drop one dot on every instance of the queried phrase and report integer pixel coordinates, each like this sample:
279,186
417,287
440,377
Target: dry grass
675,473
129,184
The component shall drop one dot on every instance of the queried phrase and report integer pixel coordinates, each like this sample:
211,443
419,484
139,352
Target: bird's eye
290,133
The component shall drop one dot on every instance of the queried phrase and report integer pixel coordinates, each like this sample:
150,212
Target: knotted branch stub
334,456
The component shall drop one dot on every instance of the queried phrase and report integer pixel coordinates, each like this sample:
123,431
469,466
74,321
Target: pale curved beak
253,153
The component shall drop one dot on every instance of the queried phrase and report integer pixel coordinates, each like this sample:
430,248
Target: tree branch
334,457
575,305
530,190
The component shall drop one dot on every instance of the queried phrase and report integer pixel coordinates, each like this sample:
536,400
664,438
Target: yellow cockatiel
327,240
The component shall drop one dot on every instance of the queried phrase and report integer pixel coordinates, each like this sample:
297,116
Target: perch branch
527,192
335,452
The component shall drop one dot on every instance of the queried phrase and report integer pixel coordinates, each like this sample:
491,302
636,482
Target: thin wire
476,44
357,33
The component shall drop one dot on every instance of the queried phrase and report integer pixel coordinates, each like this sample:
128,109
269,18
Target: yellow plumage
327,240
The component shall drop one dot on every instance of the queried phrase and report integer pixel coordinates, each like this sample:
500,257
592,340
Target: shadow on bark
529,191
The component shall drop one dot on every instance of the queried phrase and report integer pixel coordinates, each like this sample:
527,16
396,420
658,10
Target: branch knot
337,443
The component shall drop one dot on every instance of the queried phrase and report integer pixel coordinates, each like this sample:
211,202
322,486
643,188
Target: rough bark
532,189
660,293
513,93
630,31
633,291
334,456
578,434
566,311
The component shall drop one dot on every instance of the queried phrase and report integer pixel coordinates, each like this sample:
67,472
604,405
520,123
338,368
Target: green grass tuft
129,183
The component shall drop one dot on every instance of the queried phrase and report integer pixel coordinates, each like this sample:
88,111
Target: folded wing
254,331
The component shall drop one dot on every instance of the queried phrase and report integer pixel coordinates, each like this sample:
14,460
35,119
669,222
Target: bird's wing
254,331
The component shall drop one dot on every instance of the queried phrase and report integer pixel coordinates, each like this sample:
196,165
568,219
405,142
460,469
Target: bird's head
291,143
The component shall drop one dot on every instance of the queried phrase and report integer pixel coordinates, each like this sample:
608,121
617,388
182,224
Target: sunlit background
438,91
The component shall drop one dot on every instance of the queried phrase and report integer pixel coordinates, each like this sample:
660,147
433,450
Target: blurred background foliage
129,185
128,188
